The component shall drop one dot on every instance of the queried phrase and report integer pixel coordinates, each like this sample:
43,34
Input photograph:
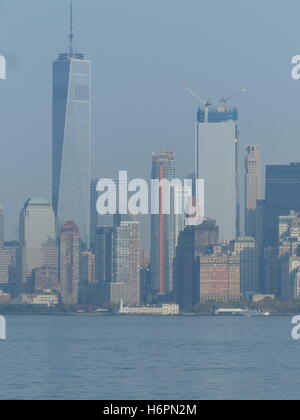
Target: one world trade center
71,140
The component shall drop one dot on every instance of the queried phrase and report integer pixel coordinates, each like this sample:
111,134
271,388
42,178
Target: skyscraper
71,139
126,259
93,212
11,256
183,197
87,267
163,227
246,248
102,220
145,285
253,187
282,261
87,276
69,264
282,196
193,241
97,220
103,252
37,235
217,150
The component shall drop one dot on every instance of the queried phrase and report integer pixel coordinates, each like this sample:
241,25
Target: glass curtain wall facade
71,141
217,150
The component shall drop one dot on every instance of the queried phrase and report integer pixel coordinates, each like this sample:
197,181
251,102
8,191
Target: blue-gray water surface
83,357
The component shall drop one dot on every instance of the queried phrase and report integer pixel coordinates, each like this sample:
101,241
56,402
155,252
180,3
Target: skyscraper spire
71,36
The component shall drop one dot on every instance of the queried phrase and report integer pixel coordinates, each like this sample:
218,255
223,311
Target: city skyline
217,160
164,138
149,203
217,157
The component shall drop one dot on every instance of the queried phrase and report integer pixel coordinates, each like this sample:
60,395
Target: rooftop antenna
71,36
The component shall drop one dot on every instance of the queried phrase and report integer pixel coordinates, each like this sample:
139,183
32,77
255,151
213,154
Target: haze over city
140,51
188,288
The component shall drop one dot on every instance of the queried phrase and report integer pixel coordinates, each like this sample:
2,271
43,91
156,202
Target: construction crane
224,101
192,92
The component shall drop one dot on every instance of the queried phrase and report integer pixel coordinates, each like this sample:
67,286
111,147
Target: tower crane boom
193,93
224,100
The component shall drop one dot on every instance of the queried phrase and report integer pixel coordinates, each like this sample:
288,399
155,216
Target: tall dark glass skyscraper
71,140
193,242
282,196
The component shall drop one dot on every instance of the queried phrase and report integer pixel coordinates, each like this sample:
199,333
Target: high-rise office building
126,259
217,157
289,276
87,267
193,242
11,255
183,199
282,261
69,263
103,253
104,220
97,220
271,272
145,285
87,277
246,248
219,277
50,254
253,187
93,212
289,227
107,293
282,196
71,140
163,226
37,237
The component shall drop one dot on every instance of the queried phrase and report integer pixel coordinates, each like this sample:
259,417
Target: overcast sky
140,50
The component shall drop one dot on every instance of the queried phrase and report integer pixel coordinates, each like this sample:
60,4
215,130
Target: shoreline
74,314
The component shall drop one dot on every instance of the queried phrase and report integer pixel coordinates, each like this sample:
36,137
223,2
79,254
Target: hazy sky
140,50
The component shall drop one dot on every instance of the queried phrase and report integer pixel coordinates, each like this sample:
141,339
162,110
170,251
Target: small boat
259,313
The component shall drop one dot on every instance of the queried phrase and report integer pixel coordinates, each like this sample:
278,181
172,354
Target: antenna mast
71,36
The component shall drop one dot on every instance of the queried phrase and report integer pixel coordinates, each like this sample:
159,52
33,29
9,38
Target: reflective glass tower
282,196
71,139
37,236
217,151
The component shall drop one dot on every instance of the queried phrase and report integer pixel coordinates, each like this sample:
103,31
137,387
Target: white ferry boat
231,312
